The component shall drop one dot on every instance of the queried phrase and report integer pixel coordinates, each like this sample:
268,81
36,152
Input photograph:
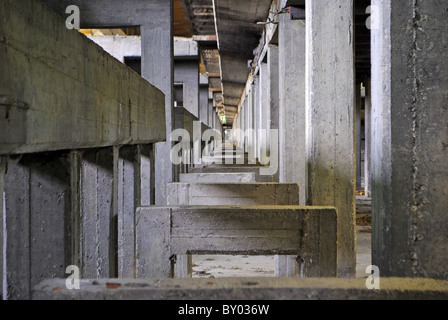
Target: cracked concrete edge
243,288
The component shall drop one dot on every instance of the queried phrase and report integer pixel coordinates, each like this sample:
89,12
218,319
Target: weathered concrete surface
127,201
96,213
37,230
243,177
61,91
274,101
307,232
186,72
244,289
409,147
236,194
292,111
233,169
2,213
330,118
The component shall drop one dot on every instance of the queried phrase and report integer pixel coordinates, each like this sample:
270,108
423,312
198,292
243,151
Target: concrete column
368,137
265,111
358,105
204,104
145,176
274,98
157,68
256,116
96,211
292,165
126,169
187,73
36,222
330,119
253,119
2,214
409,147
246,117
75,160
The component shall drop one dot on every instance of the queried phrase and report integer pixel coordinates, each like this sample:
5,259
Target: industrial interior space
223,149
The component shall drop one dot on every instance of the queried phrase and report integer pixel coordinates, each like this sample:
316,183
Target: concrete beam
239,194
256,289
53,79
243,177
307,232
330,118
234,169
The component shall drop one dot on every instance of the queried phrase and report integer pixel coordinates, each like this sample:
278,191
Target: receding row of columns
405,129
305,89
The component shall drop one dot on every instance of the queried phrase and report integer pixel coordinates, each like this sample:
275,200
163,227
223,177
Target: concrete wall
59,91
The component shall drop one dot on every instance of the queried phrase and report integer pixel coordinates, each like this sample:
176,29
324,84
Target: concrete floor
224,266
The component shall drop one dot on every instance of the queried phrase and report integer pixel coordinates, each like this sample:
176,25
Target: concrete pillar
256,116
358,105
157,68
204,104
97,217
145,176
265,111
187,73
292,165
330,118
36,222
126,169
248,103
274,98
409,147
368,137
